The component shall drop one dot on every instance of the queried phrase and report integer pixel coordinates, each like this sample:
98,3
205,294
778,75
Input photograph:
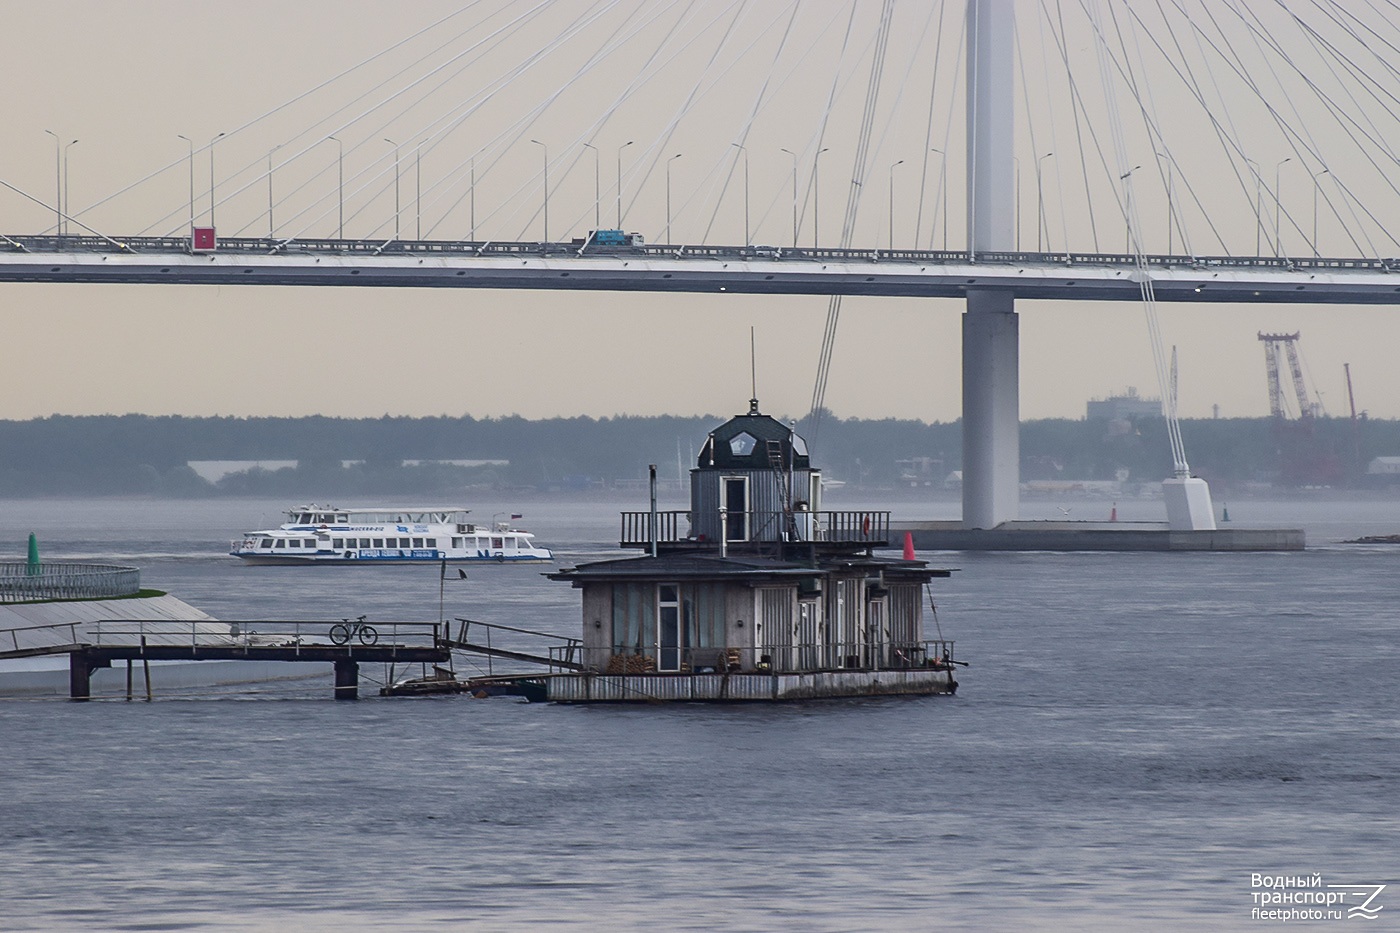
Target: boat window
430,542
265,542
457,542
403,542
498,543
378,542
341,518
364,542
417,542
337,543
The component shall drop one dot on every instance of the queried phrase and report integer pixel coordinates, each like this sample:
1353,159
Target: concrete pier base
1093,536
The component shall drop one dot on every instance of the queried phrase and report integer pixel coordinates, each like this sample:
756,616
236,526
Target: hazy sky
126,79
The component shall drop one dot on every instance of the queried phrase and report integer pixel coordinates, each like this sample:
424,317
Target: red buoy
909,545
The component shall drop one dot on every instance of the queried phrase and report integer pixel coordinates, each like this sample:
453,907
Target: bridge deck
708,269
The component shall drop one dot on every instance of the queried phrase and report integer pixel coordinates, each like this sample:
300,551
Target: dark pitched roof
742,443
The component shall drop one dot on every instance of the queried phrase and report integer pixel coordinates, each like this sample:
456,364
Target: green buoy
1225,512
33,568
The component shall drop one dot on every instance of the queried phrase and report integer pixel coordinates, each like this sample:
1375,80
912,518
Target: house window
668,627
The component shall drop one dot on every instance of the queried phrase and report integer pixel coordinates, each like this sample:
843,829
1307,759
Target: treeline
139,454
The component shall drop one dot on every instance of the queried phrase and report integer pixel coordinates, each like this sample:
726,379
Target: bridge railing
568,250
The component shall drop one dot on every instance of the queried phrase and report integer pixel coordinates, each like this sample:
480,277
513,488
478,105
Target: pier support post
347,679
79,676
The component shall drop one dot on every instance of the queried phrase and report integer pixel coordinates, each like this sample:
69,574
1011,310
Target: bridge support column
347,680
991,462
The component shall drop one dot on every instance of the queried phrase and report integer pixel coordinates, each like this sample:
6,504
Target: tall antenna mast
753,369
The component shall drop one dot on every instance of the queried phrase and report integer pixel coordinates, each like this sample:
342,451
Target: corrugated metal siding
765,501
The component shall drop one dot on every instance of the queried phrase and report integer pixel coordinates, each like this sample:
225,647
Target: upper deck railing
863,529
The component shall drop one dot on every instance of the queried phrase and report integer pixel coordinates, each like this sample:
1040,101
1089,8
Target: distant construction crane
1275,346
1303,459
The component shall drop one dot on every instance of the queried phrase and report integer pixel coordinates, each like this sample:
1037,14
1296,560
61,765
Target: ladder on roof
780,472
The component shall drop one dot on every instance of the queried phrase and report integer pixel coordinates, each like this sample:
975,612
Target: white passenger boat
316,534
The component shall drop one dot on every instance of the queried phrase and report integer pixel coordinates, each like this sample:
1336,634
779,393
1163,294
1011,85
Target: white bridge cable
643,73
346,124
1235,62
1180,467
715,79
654,154
928,132
1255,170
516,131
1351,124
742,136
859,172
388,173
279,108
1196,88
1043,223
499,146
367,178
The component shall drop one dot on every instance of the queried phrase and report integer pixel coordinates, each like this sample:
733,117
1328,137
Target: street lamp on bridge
1040,204
619,180
191,142
396,185
1316,185
1258,208
597,191
269,191
942,198
816,196
340,172
900,162
546,187
794,195
668,195
60,155
211,176
748,241
1278,206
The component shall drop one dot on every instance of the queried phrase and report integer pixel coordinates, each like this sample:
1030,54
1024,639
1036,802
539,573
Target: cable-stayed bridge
1230,148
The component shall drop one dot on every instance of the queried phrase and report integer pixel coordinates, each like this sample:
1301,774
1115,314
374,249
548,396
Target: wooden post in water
128,679
79,670
347,679
146,668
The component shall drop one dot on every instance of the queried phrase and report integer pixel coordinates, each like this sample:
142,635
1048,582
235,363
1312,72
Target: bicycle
344,630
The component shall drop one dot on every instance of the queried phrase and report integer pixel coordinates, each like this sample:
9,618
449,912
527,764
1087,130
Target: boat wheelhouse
754,593
323,535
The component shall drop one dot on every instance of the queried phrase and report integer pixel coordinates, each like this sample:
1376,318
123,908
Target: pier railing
293,634
799,657
845,528
23,582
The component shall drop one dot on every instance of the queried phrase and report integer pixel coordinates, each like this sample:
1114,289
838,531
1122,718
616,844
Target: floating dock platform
1093,536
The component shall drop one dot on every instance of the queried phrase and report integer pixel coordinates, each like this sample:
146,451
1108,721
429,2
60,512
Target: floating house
754,593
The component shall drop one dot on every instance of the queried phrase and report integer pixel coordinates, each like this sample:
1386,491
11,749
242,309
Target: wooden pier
344,644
